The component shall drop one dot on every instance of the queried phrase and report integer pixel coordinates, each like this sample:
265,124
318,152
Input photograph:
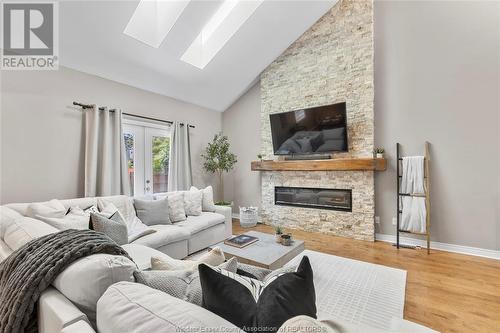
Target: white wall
42,133
238,122
437,78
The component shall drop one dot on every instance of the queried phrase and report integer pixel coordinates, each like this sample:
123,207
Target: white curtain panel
105,163
179,164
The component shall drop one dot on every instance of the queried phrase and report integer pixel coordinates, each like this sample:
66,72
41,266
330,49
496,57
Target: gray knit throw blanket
27,272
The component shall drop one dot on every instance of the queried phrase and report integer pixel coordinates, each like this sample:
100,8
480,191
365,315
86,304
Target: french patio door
147,150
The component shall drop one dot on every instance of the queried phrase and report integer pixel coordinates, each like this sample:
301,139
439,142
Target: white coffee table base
265,252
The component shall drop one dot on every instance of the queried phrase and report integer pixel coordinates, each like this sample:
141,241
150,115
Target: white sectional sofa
178,240
56,312
106,281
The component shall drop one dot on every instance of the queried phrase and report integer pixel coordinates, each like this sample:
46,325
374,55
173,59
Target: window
147,148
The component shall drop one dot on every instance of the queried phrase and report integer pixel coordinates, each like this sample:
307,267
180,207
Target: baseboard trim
473,251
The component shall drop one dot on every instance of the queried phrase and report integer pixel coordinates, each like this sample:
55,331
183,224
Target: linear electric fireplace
320,198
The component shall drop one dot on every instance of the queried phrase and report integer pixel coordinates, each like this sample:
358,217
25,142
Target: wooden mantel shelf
336,164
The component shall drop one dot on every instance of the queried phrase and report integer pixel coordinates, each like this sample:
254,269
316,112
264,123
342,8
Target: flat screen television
317,130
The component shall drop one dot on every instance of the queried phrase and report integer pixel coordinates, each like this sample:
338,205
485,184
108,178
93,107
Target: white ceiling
92,41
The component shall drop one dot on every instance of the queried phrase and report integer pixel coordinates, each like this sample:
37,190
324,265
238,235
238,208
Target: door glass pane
160,150
129,153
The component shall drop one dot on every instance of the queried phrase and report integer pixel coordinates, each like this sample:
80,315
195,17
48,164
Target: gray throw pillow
152,212
258,272
114,227
183,284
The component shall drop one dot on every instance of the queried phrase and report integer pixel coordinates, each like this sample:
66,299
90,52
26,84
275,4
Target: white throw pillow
208,204
85,280
21,230
192,202
52,208
7,217
214,257
176,210
135,227
75,219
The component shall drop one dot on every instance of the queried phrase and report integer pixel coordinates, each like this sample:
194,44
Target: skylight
153,19
228,19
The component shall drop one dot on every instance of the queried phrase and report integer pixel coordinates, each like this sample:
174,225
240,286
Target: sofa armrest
227,212
80,326
56,312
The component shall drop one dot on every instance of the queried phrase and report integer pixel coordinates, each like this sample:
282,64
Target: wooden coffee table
263,253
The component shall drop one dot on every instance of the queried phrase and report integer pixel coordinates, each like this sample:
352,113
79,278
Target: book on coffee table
241,241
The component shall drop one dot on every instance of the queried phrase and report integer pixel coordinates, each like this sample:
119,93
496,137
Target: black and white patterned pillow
259,306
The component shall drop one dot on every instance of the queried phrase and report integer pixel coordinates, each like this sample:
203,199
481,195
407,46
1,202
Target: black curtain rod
87,106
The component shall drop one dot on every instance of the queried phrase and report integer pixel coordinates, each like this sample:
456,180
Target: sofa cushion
75,219
52,208
254,272
55,311
195,224
83,203
123,204
176,209
213,257
136,308
247,302
7,216
5,250
85,280
208,204
113,226
165,234
80,326
141,255
193,202
305,324
183,284
23,229
152,212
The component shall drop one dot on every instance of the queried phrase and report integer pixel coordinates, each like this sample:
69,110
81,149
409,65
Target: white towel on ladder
413,217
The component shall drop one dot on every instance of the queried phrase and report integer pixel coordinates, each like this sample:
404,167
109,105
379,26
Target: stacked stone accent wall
332,62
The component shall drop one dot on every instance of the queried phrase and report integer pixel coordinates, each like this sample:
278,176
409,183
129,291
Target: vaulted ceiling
92,40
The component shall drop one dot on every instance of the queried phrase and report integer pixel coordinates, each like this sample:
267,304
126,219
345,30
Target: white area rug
356,291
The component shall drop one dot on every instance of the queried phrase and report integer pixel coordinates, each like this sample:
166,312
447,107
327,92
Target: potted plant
379,152
286,239
260,157
218,159
278,232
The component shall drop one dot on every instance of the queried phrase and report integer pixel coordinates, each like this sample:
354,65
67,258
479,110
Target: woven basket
249,216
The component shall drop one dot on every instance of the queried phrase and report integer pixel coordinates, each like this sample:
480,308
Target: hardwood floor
445,291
